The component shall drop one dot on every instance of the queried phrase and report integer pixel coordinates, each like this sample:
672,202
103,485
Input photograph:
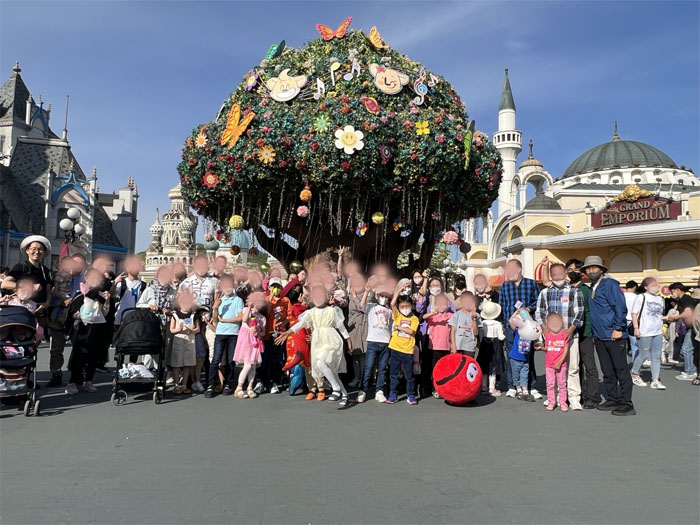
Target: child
557,347
464,327
379,319
401,346
88,309
491,334
22,297
357,328
519,354
183,326
438,321
249,344
327,357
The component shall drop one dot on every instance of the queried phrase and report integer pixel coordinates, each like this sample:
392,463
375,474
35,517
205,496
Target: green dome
619,154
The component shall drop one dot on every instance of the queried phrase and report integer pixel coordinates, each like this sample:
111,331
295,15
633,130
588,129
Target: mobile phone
519,304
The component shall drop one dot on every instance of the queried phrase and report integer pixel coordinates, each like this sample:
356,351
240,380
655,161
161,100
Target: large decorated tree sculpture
342,142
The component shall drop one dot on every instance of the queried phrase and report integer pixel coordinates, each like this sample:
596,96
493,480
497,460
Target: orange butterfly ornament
235,126
327,33
375,39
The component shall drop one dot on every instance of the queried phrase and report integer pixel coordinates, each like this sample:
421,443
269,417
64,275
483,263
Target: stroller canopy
17,316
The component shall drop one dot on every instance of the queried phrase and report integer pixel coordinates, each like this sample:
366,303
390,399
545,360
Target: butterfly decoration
235,126
275,50
468,143
327,33
375,39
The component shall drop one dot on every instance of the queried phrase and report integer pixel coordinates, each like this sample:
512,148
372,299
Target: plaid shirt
566,301
510,293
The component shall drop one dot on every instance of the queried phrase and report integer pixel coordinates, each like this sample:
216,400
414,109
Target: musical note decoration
320,89
389,81
433,80
235,126
420,88
335,66
328,34
355,68
468,143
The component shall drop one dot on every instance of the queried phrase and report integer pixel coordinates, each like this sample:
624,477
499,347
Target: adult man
518,289
589,376
566,300
609,323
683,318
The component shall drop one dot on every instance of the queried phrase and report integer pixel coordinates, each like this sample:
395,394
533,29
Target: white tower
508,141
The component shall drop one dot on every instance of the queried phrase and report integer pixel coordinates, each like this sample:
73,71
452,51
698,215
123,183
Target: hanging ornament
236,222
264,267
305,195
399,224
465,247
303,211
234,250
295,266
450,237
371,105
361,229
378,217
253,252
468,143
385,153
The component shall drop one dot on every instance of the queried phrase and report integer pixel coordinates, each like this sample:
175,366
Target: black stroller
18,353
140,333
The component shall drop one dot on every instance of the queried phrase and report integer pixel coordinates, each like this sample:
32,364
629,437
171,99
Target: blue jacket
608,309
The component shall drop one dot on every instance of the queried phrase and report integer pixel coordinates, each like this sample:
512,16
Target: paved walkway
278,459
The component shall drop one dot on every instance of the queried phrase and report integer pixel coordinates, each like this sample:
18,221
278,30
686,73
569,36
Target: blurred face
25,289
357,283
255,279
555,323
480,283
66,265
240,274
201,266
381,271
256,300
78,265
351,269
652,286
293,276
102,265
513,271
220,264
441,303
164,276
36,252
133,266
185,301
275,272
558,273
93,279
319,296
677,293
302,276
467,302
226,284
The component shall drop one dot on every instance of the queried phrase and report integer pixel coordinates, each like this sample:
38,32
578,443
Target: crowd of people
238,331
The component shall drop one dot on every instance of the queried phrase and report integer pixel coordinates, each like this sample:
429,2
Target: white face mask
406,311
653,290
559,284
23,296
382,301
418,280
435,290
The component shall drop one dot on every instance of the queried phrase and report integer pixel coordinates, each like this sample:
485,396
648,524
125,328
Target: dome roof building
542,202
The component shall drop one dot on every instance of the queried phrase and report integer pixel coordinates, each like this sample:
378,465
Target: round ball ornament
253,252
234,250
450,237
305,195
295,266
457,378
378,217
236,222
465,247
303,211
264,267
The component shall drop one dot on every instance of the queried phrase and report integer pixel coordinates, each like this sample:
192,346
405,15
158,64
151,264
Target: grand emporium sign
635,205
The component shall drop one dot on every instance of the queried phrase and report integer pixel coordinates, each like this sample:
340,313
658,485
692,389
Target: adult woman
647,319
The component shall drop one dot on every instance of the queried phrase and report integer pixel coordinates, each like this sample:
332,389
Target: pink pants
557,377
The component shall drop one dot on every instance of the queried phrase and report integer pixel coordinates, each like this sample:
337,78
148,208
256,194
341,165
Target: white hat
490,310
275,280
35,238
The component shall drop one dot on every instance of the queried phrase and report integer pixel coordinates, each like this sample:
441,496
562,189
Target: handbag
630,327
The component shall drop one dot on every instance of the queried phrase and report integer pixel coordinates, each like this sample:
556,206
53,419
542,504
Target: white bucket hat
490,310
35,238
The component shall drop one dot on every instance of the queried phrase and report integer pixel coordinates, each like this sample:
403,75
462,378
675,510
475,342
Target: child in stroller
18,353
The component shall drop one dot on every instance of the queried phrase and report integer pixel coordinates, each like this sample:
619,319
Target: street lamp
71,225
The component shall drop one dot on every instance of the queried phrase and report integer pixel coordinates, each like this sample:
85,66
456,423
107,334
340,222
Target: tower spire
530,155
507,101
615,135
65,122
16,67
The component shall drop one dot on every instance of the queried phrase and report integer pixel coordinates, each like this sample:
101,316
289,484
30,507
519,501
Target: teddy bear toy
457,378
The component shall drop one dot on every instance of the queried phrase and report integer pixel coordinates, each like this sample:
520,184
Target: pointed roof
13,96
507,101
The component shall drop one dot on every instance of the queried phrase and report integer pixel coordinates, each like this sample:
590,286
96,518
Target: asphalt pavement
281,459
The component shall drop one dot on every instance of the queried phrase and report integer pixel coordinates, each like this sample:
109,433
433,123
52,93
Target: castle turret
508,141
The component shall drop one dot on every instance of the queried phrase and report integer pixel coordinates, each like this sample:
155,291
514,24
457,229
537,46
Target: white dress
328,324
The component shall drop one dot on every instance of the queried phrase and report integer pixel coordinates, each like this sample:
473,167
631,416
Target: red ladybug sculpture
457,378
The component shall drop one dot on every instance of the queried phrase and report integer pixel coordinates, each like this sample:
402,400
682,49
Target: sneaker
646,364
361,396
218,389
275,389
178,390
391,399
624,410
379,397
528,397
576,406
71,389
343,401
685,377
511,392
638,381
56,380
608,405
535,393
436,395
335,396
170,381
546,403
412,400
589,404
227,391
186,390
657,385
89,387
208,393
518,395
564,408
259,388
197,386
495,393
672,361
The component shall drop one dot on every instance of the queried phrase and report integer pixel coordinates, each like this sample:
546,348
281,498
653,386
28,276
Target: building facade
40,179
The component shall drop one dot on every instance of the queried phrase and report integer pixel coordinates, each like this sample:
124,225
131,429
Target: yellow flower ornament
349,140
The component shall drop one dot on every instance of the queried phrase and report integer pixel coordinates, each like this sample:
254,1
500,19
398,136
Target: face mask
405,311
418,280
23,296
382,301
480,289
435,290
594,276
574,277
559,284
653,290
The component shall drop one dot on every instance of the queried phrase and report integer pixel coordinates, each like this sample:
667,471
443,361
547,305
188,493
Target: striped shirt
567,301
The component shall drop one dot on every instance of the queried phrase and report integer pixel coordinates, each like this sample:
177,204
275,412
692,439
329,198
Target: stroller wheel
27,408
119,398
157,398
36,407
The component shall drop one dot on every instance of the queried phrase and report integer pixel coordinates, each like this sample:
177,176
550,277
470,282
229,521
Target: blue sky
141,75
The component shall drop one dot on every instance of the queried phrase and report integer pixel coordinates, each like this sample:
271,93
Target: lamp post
71,225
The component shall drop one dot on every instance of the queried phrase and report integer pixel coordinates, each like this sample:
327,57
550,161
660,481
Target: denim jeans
378,352
398,360
634,346
649,348
519,371
224,346
687,353
532,373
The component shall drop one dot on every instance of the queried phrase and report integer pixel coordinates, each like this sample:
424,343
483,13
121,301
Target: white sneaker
534,393
170,381
575,406
259,388
672,361
546,402
511,392
361,397
275,389
657,385
638,381
197,386
686,377
380,397
646,364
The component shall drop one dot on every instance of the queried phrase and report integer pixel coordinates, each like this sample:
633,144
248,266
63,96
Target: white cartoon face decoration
388,80
284,87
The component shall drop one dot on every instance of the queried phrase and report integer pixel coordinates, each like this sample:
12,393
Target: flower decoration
201,140
450,237
251,80
435,216
361,229
303,211
305,195
349,140
236,222
385,153
322,123
422,128
399,224
378,217
266,154
371,105
210,180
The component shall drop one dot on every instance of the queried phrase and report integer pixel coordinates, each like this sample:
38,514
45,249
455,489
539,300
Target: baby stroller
18,353
140,333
